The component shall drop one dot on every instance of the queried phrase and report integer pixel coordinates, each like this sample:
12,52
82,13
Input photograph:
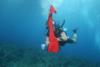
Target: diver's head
57,26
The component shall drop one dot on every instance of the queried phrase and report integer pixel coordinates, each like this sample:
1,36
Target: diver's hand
43,46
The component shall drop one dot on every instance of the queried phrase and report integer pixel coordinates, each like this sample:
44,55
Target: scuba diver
56,36
61,35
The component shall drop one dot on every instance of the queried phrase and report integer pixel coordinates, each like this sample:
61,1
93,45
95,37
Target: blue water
23,22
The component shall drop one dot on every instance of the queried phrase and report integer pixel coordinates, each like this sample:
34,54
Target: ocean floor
12,56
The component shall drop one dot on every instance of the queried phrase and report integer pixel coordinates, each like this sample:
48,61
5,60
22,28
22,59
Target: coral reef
11,56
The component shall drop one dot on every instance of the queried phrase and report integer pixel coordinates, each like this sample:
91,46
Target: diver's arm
47,41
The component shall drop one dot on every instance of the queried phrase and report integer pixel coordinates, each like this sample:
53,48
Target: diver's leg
72,39
74,36
63,37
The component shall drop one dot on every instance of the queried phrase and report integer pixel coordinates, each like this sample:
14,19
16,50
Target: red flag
52,9
54,44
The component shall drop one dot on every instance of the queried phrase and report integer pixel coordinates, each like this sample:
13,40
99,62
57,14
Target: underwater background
23,30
